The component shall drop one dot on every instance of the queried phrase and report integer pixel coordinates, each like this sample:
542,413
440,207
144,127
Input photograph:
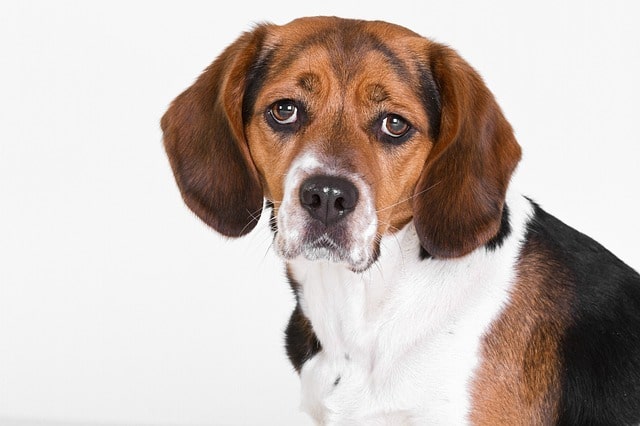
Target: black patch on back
301,342
600,349
504,231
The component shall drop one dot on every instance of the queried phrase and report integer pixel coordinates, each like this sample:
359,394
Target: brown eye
395,126
284,112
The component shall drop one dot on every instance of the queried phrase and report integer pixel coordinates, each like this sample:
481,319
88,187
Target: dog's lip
326,248
324,242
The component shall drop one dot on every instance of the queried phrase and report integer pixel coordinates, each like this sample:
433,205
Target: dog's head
351,129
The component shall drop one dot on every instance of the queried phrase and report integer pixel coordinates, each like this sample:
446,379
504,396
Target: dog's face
351,129
336,136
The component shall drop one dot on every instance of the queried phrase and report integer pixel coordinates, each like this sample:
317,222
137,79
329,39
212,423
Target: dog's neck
399,327
345,307
401,297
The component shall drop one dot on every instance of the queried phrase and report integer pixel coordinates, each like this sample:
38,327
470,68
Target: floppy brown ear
205,142
460,195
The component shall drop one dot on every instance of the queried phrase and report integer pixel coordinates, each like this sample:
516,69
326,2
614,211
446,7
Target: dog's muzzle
327,217
328,201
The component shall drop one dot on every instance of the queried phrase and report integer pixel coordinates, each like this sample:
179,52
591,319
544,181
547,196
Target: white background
117,305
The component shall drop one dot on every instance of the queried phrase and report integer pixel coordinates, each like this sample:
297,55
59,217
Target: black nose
328,198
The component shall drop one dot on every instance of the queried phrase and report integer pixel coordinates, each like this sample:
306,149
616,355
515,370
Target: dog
427,290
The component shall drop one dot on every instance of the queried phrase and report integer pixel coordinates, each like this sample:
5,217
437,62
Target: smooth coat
403,338
441,297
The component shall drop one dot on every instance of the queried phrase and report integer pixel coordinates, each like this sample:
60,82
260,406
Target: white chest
400,342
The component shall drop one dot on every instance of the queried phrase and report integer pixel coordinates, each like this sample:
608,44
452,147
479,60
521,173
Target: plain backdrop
118,306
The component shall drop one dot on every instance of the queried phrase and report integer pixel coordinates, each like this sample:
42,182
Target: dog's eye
395,126
284,112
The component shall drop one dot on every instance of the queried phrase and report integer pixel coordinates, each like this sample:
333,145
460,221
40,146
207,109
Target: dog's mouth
350,243
318,243
325,247
324,242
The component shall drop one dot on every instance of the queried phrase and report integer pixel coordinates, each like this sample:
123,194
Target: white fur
292,219
403,337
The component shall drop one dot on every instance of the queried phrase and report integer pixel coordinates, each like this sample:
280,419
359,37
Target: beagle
427,291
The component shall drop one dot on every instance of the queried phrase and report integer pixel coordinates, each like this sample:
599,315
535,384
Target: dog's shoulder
600,346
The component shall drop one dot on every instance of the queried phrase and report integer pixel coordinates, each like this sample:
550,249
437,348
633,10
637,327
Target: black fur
494,243
348,42
301,342
273,223
424,255
431,100
503,232
256,77
600,350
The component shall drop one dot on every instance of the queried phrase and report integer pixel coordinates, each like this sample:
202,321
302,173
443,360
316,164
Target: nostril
315,203
339,204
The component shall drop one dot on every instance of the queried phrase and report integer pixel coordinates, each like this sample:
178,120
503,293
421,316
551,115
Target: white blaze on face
356,246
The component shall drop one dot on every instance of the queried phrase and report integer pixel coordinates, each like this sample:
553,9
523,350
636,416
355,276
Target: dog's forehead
344,42
322,29
338,63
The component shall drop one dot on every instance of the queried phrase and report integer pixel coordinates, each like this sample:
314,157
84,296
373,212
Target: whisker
255,215
379,238
258,242
269,247
389,225
254,218
409,198
378,266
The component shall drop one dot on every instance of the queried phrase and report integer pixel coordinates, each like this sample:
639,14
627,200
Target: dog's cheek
399,173
271,168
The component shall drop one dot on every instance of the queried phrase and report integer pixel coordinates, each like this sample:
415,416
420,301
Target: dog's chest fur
400,342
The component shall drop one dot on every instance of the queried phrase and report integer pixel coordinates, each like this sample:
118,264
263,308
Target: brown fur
475,156
346,72
339,126
518,381
205,143
450,178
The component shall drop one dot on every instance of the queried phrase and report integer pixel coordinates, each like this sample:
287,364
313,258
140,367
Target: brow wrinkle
309,82
377,93
346,44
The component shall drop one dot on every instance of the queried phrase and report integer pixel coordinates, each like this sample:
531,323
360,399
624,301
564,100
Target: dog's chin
325,254
326,250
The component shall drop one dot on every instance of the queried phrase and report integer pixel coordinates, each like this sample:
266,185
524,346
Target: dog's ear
205,141
460,195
